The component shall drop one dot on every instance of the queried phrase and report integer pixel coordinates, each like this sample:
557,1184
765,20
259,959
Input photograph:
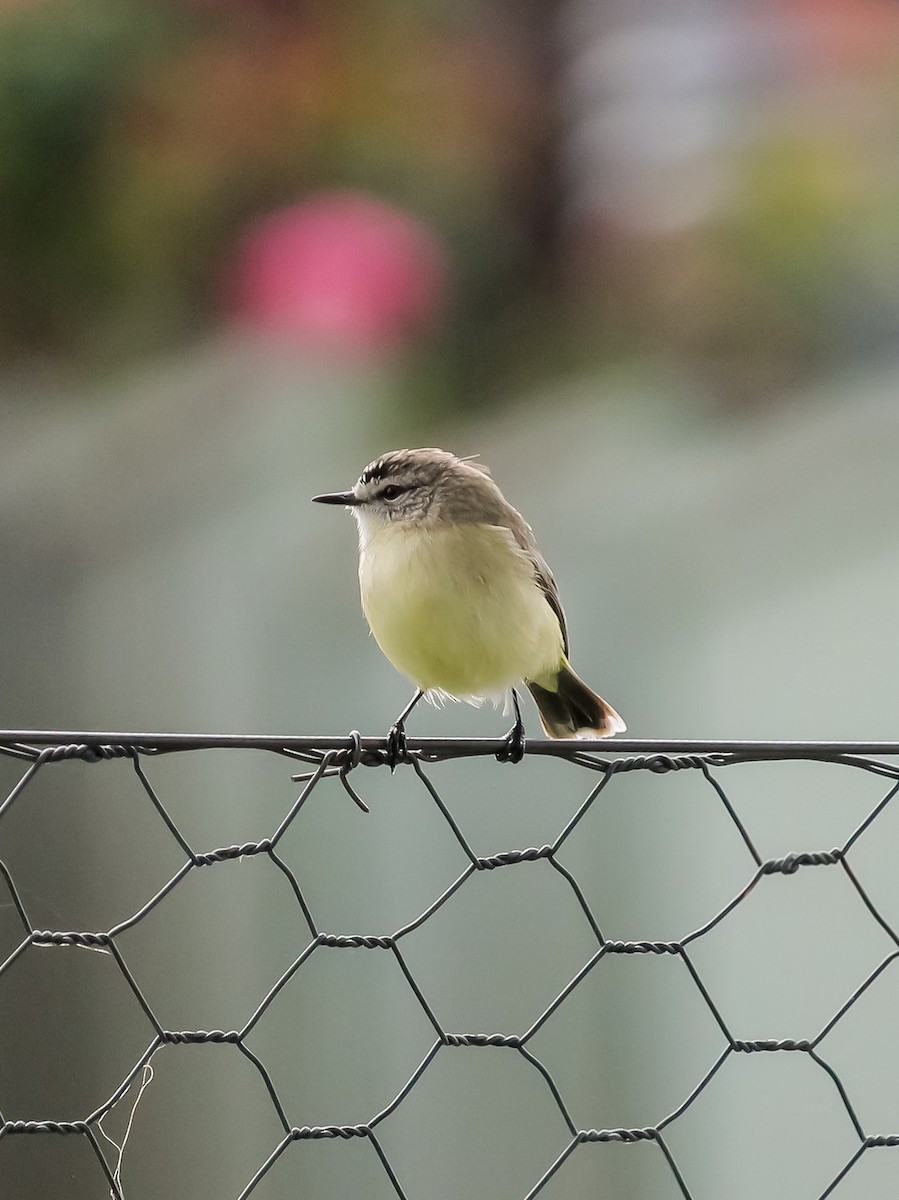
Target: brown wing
524,536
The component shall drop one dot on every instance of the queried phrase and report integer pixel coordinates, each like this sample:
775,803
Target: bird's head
419,487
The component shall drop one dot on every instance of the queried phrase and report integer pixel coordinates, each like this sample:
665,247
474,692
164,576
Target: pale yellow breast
457,608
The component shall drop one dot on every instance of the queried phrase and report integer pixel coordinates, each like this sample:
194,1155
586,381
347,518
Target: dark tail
569,709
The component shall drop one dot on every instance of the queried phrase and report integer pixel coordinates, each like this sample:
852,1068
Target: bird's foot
514,744
396,751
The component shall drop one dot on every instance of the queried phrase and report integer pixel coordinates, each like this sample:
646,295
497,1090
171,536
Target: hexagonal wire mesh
273,1070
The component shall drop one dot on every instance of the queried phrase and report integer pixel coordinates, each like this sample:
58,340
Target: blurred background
644,259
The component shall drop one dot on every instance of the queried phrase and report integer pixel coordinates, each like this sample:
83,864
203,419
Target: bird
460,599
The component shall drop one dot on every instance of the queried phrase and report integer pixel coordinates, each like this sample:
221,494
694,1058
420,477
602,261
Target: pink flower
342,271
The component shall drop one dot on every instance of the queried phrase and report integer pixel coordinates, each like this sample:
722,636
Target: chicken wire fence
77,1070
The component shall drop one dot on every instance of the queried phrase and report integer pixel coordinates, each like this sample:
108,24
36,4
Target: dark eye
391,491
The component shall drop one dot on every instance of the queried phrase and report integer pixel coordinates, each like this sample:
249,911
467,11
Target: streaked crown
426,484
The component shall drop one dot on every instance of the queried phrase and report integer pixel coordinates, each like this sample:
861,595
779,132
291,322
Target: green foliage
63,68
138,137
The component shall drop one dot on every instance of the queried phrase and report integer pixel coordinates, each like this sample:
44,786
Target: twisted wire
350,756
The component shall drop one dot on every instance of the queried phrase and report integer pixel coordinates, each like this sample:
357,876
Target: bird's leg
396,735
513,751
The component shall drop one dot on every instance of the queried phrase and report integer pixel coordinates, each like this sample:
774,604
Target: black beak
347,498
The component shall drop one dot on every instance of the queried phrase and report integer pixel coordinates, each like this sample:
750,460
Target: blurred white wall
165,571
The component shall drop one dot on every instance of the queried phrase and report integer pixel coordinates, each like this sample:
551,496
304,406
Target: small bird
458,596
